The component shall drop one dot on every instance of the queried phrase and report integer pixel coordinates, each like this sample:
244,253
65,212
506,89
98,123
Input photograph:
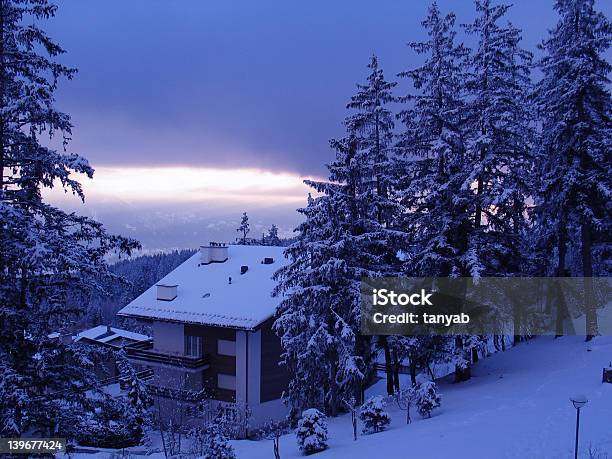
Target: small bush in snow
215,442
311,432
112,424
374,416
427,398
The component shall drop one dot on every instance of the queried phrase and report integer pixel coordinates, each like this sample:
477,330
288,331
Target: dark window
193,346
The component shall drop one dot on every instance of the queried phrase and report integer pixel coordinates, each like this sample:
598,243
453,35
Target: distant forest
134,276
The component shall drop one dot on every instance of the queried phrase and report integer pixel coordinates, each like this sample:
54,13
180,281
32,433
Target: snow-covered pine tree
434,154
137,393
244,228
500,146
374,416
44,250
432,172
427,398
216,442
272,237
346,236
318,315
575,107
373,122
311,431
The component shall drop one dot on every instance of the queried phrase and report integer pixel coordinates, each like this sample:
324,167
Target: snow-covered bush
427,398
112,424
311,432
216,442
374,416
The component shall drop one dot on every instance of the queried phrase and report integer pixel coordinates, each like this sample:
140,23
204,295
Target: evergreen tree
374,416
500,143
575,106
311,432
427,398
137,393
272,237
432,173
346,236
318,315
499,147
44,249
216,442
244,228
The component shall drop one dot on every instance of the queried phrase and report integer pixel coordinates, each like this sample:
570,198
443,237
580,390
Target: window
226,347
226,381
193,346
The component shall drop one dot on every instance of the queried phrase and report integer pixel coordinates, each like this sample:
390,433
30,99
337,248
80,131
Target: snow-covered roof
206,297
101,334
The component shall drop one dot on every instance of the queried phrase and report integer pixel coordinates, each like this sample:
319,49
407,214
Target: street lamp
578,401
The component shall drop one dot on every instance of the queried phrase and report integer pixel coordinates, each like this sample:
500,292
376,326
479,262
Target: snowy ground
515,406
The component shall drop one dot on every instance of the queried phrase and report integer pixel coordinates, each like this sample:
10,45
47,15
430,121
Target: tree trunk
333,392
562,312
592,329
388,367
396,365
413,371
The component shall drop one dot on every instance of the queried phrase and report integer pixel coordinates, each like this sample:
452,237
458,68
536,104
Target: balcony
144,351
178,394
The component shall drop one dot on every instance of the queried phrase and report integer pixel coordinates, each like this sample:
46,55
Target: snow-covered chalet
211,320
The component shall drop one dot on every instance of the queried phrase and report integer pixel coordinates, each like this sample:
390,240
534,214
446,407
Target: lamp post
578,401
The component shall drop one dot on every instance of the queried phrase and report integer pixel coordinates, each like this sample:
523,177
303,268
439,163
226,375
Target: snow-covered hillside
516,406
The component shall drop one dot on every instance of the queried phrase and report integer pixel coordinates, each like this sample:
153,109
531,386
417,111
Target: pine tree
44,250
433,169
500,142
216,442
317,316
347,235
244,228
137,393
575,106
427,398
272,237
432,173
374,416
311,431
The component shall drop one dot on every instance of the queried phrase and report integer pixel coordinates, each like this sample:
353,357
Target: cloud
183,184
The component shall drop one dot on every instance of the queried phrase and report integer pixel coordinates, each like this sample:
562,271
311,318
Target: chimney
166,292
215,252
244,269
108,329
267,261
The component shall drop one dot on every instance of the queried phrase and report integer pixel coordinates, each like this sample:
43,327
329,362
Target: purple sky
235,84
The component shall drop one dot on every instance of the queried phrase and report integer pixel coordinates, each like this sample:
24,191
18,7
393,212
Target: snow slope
516,406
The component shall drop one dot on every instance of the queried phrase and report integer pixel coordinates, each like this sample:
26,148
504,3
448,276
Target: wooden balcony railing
144,351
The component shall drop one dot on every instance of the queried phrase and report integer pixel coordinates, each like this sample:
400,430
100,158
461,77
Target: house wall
168,337
274,378
224,364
